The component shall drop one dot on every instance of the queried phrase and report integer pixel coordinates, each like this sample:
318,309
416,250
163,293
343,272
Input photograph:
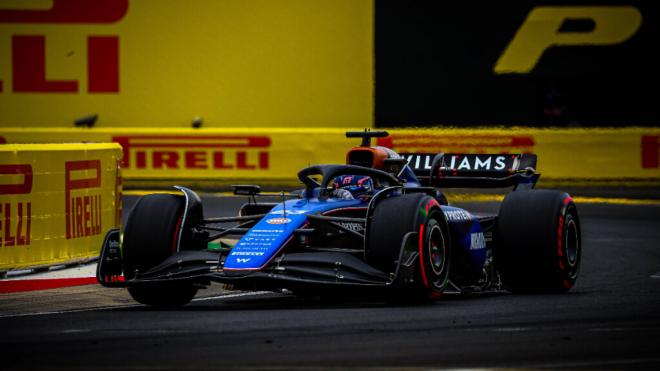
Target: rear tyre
151,235
538,242
393,219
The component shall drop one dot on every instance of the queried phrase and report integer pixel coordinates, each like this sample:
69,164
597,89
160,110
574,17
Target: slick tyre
538,242
393,220
150,236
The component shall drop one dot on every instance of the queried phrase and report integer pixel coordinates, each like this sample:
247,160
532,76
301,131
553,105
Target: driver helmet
356,185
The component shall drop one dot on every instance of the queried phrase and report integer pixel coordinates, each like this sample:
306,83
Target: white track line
228,296
67,311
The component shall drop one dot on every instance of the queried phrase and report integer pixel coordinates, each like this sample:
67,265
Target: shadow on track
276,301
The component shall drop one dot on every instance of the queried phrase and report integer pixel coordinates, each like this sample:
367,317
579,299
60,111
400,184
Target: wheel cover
436,250
572,242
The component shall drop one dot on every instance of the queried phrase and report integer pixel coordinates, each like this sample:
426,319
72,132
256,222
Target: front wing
287,270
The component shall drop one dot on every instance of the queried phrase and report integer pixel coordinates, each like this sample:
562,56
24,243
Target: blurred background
532,63
340,63
208,93
153,63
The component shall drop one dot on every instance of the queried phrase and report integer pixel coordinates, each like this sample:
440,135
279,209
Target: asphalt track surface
610,320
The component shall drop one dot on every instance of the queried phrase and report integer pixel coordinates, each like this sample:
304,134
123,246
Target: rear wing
461,170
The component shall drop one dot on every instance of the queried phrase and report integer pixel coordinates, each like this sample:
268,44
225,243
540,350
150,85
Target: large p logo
542,30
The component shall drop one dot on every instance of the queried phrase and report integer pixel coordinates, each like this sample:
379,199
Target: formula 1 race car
378,225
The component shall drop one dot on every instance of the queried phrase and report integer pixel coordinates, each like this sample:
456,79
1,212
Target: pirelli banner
267,63
329,63
219,157
207,157
56,201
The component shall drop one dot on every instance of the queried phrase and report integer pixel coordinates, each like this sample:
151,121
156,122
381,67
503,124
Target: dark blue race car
379,225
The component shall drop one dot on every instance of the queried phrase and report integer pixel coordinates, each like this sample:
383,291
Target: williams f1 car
379,224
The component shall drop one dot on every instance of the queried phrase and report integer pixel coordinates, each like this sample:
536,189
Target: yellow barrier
207,156
259,62
224,156
56,201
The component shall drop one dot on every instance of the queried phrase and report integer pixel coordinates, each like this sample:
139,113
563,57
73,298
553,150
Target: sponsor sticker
292,212
278,221
477,162
457,215
82,197
477,241
17,216
195,152
248,253
461,162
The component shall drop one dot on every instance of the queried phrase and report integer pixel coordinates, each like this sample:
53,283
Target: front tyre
395,221
151,235
538,242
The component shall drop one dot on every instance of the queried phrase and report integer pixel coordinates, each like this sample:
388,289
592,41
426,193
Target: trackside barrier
158,156
56,202
616,156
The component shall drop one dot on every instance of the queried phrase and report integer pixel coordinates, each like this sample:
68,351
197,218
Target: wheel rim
572,242
436,249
